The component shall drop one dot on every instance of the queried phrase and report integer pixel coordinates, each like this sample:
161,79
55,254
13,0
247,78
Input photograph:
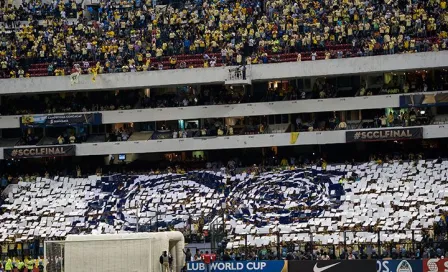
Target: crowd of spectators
136,36
121,134
119,100
69,136
217,127
30,138
68,102
427,248
290,251
12,14
403,118
382,118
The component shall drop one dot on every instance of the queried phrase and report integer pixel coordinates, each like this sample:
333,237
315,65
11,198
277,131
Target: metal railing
242,72
416,241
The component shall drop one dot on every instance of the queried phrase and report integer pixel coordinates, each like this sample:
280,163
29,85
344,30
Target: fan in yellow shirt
146,66
95,71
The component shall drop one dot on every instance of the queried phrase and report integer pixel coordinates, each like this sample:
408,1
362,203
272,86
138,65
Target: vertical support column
278,244
413,241
157,217
45,256
245,247
62,257
311,241
198,90
379,243
345,241
0,106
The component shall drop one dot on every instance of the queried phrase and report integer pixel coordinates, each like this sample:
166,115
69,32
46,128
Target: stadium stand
252,125
330,205
141,136
141,37
441,119
9,142
291,204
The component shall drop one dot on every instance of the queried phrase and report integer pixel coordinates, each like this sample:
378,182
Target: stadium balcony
218,75
190,140
371,203
288,105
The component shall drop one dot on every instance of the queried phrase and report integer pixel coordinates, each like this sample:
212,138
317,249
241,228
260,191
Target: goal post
53,255
99,255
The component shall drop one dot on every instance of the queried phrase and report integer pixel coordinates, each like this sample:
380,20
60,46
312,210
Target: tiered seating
57,207
96,138
195,61
41,69
9,142
440,119
242,28
48,208
47,141
394,197
278,128
173,199
141,136
391,197
353,124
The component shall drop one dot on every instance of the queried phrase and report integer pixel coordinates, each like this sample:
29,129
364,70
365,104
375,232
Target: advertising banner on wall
435,265
39,151
370,135
399,265
332,266
239,266
61,120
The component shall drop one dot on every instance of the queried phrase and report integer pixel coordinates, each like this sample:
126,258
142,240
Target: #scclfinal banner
370,135
39,151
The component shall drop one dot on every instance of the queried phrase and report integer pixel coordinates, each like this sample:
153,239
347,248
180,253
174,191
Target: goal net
132,255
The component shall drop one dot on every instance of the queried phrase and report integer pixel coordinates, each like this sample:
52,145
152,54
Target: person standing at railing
226,256
207,259
188,256
165,262
243,71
